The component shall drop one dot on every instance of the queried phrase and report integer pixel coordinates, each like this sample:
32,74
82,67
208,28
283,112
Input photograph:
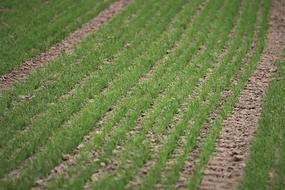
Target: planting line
190,163
103,169
165,50
56,79
25,135
100,172
77,99
144,170
226,165
188,167
98,129
20,73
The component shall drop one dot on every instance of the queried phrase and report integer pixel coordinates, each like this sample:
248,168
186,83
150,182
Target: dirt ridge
66,45
226,165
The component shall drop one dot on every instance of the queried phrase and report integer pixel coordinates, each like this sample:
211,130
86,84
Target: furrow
192,141
19,117
25,24
204,131
136,130
97,130
69,130
102,77
178,152
146,114
237,130
167,95
225,166
154,177
60,111
26,68
157,148
189,164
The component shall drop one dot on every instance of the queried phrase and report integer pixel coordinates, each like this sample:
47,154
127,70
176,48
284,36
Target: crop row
130,105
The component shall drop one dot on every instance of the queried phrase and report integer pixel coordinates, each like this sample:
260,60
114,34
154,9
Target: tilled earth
20,73
154,132
232,148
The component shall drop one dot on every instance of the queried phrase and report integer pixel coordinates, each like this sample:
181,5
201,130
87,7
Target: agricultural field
142,94
30,28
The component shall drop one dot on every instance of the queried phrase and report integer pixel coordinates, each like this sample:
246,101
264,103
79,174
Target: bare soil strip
156,144
183,139
97,130
194,155
74,156
187,170
66,45
232,147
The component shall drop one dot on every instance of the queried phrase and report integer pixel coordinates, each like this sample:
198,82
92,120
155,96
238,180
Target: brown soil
97,130
187,169
21,72
154,141
232,148
137,129
190,163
